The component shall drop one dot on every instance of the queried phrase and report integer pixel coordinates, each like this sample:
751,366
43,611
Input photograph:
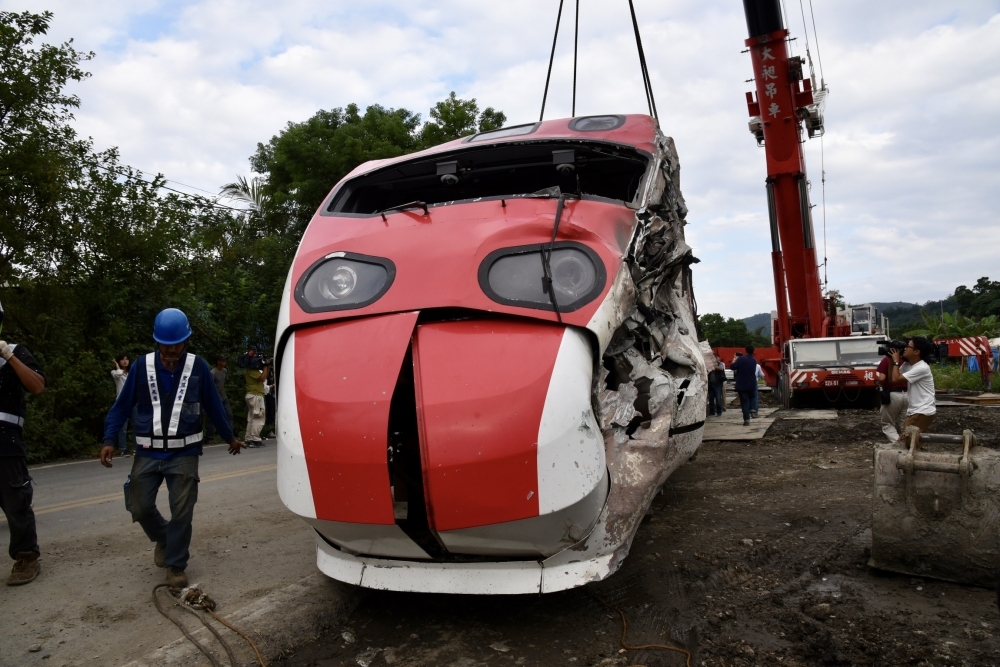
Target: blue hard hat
171,327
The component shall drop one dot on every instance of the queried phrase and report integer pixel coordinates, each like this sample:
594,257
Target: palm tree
249,191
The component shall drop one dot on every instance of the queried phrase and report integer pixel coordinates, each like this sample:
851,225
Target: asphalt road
91,605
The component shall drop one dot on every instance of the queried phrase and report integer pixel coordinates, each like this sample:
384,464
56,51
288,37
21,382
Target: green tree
453,118
980,301
91,250
838,298
38,149
304,161
722,332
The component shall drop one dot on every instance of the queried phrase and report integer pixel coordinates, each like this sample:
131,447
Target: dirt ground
756,554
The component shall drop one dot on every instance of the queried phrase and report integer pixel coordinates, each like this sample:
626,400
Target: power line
200,198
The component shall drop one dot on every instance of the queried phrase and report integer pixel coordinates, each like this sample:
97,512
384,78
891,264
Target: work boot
746,423
158,554
26,568
176,578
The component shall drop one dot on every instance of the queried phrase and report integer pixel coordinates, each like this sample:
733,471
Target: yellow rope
629,647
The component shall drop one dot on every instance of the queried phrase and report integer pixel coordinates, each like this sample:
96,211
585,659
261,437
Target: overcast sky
912,150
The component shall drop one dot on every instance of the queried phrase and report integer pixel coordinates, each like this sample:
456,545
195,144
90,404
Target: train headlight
514,276
342,281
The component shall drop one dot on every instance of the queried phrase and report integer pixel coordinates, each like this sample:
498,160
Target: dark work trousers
715,399
210,425
755,400
15,500
181,475
269,405
746,400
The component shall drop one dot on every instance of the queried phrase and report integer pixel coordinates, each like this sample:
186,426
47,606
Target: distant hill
902,316
759,320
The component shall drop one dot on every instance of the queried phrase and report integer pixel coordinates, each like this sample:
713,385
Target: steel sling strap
6,416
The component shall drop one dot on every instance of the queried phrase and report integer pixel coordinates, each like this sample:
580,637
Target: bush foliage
722,332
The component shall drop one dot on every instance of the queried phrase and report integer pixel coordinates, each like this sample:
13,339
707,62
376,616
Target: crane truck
818,349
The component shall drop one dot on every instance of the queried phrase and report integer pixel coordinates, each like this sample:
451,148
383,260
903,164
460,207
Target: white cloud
913,120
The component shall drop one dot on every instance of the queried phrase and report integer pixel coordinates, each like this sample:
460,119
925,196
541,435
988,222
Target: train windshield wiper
404,207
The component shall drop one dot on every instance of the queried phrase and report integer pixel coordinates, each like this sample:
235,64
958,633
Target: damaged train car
487,359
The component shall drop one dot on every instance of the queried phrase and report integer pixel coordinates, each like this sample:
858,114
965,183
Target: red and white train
487,359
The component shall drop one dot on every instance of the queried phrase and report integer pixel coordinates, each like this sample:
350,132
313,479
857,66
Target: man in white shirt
755,405
920,381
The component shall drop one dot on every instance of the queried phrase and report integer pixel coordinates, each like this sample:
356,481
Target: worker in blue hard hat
170,388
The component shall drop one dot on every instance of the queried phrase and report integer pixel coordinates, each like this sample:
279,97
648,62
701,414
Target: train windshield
596,171
833,353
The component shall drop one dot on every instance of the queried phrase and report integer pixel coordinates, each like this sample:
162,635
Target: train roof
635,130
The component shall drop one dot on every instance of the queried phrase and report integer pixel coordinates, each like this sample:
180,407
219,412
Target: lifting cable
576,43
643,647
552,56
642,63
646,81
191,599
822,151
819,56
822,167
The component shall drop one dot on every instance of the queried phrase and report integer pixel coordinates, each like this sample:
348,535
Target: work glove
5,350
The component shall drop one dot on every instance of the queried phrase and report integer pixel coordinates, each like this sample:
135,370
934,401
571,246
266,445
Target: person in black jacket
19,372
716,383
745,369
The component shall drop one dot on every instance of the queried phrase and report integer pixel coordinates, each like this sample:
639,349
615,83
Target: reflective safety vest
8,418
173,421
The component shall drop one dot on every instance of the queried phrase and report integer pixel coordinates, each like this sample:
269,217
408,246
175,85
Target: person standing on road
255,377
894,400
171,387
716,381
755,404
270,407
219,376
19,372
920,382
745,369
118,374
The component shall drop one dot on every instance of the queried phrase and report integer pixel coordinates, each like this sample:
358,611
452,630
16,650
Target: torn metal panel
652,387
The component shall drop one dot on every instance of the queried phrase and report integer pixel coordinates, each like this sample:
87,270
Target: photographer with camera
258,369
920,381
892,395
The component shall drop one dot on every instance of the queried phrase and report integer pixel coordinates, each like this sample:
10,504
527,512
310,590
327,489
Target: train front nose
417,441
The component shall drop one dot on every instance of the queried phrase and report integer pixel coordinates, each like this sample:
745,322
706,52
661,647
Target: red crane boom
783,99
818,350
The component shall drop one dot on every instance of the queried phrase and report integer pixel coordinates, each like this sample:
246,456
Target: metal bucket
937,514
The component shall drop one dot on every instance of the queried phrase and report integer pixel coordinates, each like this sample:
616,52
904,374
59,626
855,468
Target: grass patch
950,376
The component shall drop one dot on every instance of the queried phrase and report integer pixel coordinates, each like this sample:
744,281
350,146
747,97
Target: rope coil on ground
193,600
643,647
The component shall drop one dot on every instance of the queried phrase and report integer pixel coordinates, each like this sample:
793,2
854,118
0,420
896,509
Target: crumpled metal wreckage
487,360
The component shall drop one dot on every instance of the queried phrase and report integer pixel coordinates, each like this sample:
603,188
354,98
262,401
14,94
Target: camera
252,362
887,346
